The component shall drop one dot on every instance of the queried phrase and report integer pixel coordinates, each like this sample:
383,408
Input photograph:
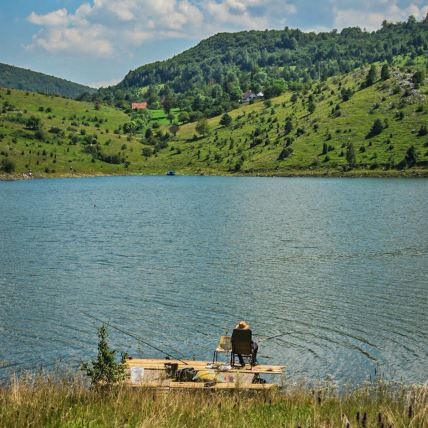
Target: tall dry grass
49,401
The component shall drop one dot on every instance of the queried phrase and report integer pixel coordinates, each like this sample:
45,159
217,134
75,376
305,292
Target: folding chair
224,346
241,345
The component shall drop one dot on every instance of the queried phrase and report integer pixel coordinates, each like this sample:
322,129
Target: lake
338,267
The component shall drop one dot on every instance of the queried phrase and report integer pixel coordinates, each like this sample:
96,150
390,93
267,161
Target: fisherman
243,325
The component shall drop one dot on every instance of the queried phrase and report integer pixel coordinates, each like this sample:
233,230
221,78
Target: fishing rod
134,337
273,337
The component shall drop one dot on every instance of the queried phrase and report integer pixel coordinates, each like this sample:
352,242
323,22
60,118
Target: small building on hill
139,106
248,96
251,96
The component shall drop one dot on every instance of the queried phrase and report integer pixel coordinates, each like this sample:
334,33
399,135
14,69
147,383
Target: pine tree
226,120
105,370
411,157
376,128
350,155
288,126
371,76
385,72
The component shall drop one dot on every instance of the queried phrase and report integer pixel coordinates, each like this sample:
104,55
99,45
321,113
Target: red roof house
139,106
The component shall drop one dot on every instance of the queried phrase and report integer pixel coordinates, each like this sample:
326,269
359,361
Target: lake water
338,266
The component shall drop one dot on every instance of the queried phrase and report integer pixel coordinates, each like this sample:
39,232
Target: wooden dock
152,373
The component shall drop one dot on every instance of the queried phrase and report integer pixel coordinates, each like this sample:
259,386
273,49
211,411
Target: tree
311,106
350,155
411,157
149,133
130,127
285,153
371,76
105,370
423,130
33,123
288,126
226,120
346,94
418,78
385,72
147,152
170,117
324,149
202,127
7,165
376,128
183,117
174,129
276,88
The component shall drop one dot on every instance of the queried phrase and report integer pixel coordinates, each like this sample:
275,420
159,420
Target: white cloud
53,19
249,14
104,83
371,14
105,27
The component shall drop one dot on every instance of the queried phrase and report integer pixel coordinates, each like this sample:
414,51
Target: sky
96,42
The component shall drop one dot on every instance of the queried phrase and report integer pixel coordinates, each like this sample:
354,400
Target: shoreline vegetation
355,173
54,400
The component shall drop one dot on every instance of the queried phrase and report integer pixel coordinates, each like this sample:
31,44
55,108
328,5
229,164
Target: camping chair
224,346
241,345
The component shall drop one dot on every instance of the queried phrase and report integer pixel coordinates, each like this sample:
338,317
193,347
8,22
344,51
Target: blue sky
98,41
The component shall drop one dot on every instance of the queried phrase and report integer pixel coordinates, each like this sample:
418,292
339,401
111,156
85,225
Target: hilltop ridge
28,80
210,78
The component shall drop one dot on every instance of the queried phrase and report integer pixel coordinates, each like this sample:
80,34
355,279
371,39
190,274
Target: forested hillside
20,78
371,121
210,78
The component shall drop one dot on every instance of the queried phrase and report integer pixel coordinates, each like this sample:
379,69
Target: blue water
340,266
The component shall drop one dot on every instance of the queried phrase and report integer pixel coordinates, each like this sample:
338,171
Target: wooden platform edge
204,386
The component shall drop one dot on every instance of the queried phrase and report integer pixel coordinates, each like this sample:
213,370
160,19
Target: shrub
423,130
346,93
285,153
147,152
33,123
7,166
376,128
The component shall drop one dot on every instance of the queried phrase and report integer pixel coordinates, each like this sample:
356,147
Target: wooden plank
200,385
159,364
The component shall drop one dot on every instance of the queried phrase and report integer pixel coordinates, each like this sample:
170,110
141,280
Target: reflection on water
339,266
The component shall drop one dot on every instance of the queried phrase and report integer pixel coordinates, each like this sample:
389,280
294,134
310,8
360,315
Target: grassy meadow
81,138
49,402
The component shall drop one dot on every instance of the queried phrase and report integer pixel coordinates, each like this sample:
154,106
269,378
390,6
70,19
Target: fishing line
134,337
273,337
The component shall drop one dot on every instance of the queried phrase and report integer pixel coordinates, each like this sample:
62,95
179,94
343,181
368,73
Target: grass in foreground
45,401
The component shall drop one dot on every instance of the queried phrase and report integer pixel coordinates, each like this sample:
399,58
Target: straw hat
243,325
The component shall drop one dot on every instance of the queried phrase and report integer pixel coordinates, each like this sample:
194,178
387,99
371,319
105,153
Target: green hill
339,126
210,78
28,80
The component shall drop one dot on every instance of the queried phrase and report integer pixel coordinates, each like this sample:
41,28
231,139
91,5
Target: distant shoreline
356,173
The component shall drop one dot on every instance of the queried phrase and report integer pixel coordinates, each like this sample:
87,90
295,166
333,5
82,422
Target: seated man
243,325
